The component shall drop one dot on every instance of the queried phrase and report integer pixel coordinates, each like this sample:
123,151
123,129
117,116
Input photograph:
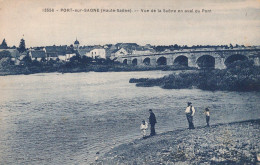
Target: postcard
129,82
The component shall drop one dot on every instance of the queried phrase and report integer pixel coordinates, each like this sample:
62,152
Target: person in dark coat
207,116
152,121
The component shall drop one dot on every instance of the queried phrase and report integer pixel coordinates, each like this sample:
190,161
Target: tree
75,59
71,49
27,60
5,62
22,48
99,60
108,61
86,60
4,45
35,62
175,46
5,59
43,59
231,46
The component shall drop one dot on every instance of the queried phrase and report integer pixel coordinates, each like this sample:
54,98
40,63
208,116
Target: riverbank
19,70
234,143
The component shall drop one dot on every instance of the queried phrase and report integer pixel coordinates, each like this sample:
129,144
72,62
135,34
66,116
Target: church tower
76,44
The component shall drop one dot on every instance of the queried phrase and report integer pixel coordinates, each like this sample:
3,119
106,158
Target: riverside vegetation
239,76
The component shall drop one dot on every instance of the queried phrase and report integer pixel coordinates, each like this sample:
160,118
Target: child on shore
207,115
143,128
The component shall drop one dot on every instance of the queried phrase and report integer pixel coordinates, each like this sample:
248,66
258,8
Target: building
69,55
55,52
97,53
85,50
22,55
110,50
126,46
76,44
37,55
120,52
143,51
53,56
123,49
148,46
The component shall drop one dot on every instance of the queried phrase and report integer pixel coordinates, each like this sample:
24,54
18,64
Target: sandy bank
234,143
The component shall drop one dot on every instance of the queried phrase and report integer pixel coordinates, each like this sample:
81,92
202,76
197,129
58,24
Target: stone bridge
217,59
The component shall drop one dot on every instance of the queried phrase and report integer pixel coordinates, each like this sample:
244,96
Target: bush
243,76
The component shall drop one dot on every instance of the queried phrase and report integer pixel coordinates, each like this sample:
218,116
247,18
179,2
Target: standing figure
143,128
152,121
190,110
207,115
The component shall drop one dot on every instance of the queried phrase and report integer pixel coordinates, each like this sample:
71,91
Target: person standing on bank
207,115
152,121
190,110
143,128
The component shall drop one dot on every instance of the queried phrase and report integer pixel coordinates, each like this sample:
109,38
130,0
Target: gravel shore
234,143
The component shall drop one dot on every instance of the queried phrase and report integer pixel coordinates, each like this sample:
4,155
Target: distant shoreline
95,68
230,143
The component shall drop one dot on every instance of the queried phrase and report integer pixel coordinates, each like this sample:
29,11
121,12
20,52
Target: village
65,53
112,52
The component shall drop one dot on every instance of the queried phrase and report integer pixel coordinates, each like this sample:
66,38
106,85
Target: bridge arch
235,57
134,61
181,60
206,61
161,61
147,61
125,61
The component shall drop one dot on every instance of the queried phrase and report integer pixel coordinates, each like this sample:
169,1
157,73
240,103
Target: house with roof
67,56
37,55
123,49
53,56
120,52
148,46
83,51
61,52
51,52
22,55
97,53
130,46
110,49
143,51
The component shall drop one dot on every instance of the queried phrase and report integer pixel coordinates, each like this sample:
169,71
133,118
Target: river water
55,118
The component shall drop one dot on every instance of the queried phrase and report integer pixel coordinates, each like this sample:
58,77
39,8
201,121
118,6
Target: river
54,118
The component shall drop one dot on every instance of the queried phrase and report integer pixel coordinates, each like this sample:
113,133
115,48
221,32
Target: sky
229,21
